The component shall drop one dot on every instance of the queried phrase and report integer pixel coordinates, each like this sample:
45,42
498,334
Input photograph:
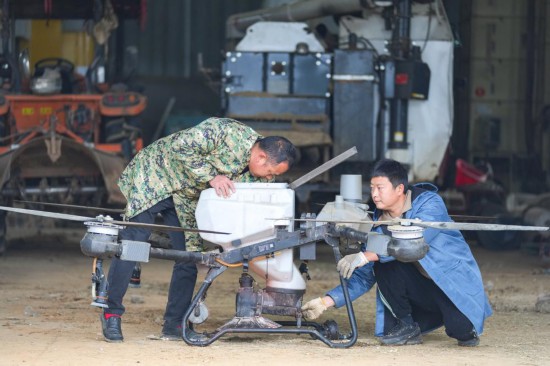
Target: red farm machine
65,136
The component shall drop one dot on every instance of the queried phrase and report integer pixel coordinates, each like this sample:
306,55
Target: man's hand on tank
224,186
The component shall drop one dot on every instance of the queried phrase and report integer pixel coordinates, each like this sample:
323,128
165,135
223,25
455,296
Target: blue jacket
449,262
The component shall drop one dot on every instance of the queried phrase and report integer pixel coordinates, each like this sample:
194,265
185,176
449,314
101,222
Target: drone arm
375,242
352,234
102,246
181,256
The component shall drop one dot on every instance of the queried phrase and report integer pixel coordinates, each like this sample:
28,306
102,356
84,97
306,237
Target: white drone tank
248,215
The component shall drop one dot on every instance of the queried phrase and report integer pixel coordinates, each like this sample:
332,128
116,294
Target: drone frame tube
181,256
283,241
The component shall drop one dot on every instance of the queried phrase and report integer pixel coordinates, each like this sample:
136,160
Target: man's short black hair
278,150
393,170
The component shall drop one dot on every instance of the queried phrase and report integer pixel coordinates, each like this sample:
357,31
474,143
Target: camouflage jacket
182,164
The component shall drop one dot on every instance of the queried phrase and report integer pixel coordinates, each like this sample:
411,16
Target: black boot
402,334
472,342
111,328
174,332
180,293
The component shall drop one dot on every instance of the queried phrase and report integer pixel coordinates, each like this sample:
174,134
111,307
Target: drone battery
136,251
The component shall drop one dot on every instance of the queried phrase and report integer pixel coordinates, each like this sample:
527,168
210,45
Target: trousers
409,293
184,275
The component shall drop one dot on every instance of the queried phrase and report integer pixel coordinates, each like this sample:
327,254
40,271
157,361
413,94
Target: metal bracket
137,251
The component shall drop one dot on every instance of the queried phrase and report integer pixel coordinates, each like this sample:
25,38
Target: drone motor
407,243
100,242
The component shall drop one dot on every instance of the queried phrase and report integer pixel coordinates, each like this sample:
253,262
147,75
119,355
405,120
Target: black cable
428,30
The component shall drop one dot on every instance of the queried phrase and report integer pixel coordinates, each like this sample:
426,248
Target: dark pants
184,275
409,293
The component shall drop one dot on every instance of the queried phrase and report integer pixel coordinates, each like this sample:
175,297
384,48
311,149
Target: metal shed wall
177,31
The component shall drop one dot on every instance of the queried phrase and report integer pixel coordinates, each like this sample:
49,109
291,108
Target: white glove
347,265
314,308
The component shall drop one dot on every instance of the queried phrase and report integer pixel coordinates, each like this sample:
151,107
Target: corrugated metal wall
506,91
177,31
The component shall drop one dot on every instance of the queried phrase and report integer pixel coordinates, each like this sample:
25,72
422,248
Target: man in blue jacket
443,288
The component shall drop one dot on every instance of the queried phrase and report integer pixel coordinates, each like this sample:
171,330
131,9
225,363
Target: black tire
498,240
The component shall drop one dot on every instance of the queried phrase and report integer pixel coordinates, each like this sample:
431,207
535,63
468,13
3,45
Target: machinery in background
383,84
65,137
371,87
533,209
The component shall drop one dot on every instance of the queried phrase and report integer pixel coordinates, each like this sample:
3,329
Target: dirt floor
46,318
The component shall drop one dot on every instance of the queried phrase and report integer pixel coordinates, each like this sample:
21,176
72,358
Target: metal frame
284,240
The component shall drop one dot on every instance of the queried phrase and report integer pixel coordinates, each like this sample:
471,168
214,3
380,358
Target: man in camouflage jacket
167,178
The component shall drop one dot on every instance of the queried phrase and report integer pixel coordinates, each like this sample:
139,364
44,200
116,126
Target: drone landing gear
99,285
269,301
252,304
135,280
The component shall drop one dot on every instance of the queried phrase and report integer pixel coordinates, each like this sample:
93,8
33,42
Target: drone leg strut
212,274
99,285
246,321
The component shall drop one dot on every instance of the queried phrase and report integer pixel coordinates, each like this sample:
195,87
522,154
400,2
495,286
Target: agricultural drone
258,233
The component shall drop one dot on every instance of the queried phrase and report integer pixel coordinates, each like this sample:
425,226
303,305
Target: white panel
278,37
431,121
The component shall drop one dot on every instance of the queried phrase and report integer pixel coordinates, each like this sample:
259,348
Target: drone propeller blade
476,226
53,215
165,227
471,217
98,209
434,225
56,215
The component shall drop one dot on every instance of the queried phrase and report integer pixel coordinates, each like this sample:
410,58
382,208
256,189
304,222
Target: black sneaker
171,337
111,328
196,337
175,333
470,342
402,334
